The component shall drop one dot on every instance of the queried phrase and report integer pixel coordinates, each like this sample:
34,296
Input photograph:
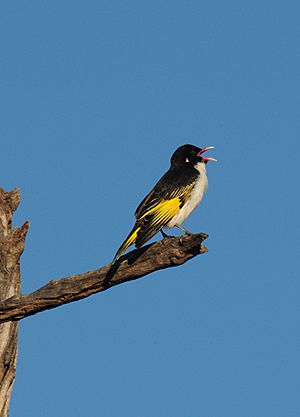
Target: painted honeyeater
173,198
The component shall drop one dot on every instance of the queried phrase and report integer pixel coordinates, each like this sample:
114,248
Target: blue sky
95,97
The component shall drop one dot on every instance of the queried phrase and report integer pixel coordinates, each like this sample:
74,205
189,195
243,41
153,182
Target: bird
172,199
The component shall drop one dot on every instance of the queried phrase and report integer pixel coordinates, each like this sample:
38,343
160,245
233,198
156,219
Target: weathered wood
11,248
169,252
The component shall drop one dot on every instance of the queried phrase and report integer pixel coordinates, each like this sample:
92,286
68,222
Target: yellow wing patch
164,211
155,212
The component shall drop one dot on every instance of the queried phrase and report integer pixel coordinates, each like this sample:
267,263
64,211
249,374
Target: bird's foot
181,239
186,233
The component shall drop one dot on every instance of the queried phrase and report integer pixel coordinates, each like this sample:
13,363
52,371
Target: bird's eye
187,160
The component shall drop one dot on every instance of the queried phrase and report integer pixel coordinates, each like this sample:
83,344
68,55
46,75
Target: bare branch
169,252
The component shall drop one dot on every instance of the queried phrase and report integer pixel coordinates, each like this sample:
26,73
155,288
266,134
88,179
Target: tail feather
146,235
131,238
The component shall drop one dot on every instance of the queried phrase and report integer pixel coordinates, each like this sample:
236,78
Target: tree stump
11,248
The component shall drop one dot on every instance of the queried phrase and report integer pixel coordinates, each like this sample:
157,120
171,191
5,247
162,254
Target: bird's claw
187,234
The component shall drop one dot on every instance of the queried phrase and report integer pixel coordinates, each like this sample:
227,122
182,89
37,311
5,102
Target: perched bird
173,198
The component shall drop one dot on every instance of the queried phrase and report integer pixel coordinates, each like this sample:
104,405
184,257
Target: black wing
163,202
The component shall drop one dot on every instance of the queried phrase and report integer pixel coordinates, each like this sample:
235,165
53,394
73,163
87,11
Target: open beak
204,150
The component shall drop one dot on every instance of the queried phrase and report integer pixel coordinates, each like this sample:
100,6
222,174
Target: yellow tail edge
128,241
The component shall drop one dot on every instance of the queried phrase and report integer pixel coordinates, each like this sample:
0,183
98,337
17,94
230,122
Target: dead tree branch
166,253
169,252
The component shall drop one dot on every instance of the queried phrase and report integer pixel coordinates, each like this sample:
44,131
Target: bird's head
190,155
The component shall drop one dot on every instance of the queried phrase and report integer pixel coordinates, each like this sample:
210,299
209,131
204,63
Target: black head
190,155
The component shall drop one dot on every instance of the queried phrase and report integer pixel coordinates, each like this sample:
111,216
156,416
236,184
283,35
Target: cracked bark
11,248
169,252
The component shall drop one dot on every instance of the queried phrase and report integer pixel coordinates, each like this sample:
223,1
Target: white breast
195,198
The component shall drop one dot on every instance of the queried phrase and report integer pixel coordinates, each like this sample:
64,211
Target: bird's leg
186,232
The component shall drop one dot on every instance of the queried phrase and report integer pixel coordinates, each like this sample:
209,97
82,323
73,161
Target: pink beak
204,150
